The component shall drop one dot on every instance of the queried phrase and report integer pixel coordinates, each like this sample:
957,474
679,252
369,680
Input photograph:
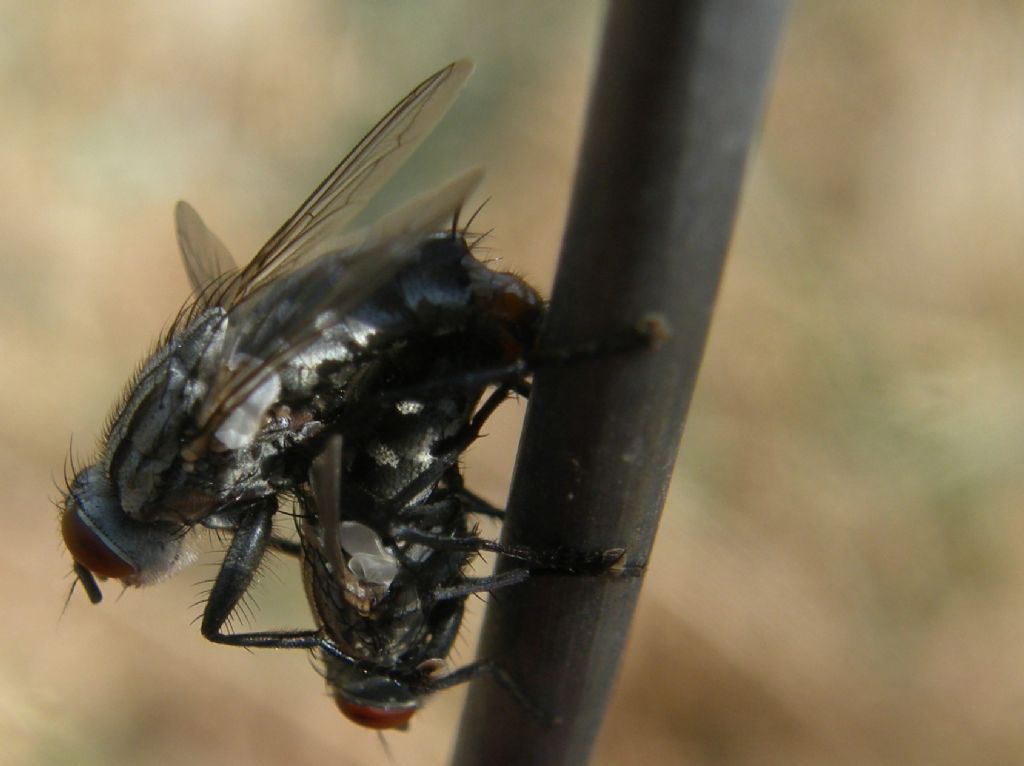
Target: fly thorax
327,364
437,303
508,310
144,436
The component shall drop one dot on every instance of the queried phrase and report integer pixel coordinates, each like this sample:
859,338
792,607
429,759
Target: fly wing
312,229
285,316
204,255
325,477
369,567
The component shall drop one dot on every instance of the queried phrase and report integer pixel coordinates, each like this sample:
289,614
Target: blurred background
839,576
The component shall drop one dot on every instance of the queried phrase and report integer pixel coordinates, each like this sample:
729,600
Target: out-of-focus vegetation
839,574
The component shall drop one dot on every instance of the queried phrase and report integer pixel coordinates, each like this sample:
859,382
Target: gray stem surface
676,103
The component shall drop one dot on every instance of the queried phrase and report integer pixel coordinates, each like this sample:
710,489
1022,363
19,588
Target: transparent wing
325,477
204,255
285,316
344,193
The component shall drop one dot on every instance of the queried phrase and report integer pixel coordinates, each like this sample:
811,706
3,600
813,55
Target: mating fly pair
344,370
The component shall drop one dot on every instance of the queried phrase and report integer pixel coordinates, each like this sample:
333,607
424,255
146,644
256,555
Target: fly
384,546
260,363
348,371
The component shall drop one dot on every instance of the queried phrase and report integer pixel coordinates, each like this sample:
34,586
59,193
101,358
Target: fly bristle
128,390
475,246
246,608
215,293
469,223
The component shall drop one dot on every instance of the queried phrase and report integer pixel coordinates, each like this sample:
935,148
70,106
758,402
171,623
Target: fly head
107,543
369,698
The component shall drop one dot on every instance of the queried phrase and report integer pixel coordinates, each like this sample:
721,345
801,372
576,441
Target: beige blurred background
839,576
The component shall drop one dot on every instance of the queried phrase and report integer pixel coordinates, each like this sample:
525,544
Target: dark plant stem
677,99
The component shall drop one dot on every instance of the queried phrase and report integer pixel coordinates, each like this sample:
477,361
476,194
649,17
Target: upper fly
259,362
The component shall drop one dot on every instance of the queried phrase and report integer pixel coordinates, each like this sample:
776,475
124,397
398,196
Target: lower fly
386,538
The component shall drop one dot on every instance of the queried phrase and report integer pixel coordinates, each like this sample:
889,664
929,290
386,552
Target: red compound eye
89,549
374,717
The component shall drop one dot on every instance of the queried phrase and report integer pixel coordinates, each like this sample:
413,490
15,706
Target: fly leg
476,505
252,537
455,445
557,560
439,646
642,336
488,669
285,546
469,502
467,586
273,639
513,375
228,521
250,540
